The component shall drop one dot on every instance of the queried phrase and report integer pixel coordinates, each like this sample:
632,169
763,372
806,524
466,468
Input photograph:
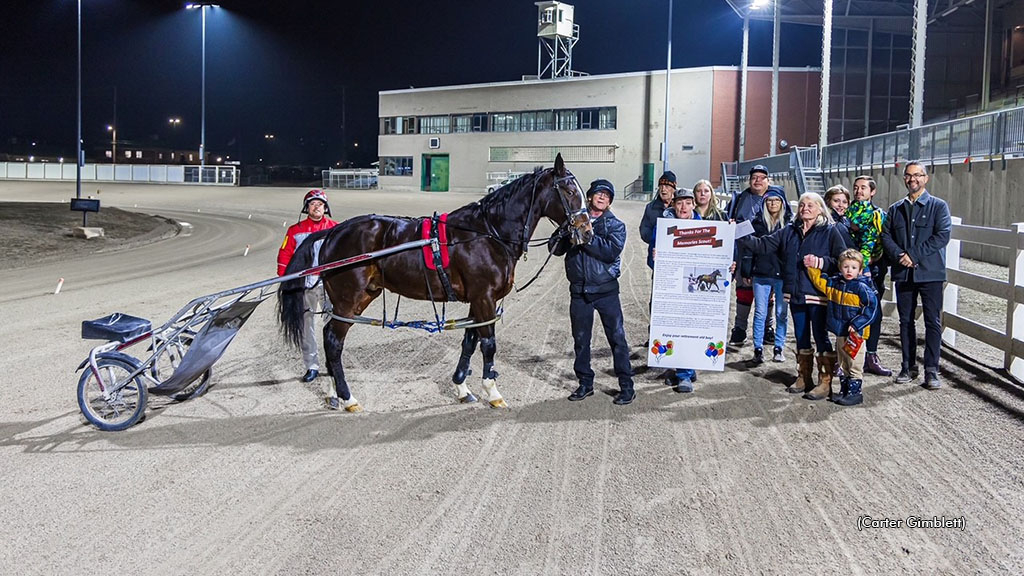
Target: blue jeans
762,294
808,320
930,294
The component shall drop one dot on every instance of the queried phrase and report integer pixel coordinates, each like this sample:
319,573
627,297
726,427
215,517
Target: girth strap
439,252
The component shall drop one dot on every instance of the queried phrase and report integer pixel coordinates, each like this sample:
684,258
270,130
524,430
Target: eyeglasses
758,177
914,176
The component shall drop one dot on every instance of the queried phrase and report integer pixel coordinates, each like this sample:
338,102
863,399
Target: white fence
142,173
1006,339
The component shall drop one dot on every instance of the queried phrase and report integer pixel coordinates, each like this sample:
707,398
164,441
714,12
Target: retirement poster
690,308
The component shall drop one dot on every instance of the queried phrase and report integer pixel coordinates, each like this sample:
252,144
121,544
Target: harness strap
429,326
440,261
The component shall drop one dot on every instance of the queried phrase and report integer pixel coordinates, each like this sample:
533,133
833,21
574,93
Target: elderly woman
811,235
704,202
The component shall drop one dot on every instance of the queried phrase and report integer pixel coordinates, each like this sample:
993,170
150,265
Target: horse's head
574,216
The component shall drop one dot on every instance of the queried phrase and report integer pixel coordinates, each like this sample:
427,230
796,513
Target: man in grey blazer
914,238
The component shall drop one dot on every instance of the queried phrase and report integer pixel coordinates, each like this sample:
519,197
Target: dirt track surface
255,477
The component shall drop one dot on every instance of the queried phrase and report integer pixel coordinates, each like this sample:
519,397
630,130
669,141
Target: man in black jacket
743,206
914,237
593,272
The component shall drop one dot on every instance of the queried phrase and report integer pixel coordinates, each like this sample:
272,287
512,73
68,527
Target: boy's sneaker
739,336
777,355
684,386
758,358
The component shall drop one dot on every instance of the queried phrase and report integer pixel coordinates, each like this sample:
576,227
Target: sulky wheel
124,407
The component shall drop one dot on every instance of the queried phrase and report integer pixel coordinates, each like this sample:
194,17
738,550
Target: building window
109,154
480,123
545,154
462,123
396,165
606,119
504,122
566,120
128,154
434,125
408,125
138,153
388,126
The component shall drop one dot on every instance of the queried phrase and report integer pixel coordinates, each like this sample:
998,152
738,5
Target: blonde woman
705,202
811,238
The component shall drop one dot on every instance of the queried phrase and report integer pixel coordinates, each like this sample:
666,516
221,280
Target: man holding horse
316,207
593,272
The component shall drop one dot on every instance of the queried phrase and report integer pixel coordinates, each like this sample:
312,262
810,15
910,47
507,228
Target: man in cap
743,206
654,209
593,272
316,207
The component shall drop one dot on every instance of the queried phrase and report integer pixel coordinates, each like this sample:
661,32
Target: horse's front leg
469,342
334,344
487,349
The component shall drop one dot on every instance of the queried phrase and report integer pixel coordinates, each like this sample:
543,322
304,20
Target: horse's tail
291,302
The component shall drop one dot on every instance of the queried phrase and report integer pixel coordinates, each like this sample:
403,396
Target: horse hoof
354,408
332,403
467,399
499,403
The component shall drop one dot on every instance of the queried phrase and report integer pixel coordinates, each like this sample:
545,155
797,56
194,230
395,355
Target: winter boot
826,370
853,395
872,365
844,388
804,365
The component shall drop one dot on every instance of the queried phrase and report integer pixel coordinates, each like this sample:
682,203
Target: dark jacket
843,225
766,265
648,223
791,246
850,303
923,236
594,268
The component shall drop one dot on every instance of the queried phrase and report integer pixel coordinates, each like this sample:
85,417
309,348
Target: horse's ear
559,165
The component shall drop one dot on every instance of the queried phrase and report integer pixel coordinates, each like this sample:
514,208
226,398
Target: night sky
309,72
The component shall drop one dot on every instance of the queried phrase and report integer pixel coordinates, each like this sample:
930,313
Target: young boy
852,304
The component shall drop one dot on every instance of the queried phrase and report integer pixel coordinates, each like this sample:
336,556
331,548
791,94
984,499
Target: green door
648,178
439,173
435,173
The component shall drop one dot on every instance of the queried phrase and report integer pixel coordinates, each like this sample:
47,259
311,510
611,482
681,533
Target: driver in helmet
316,207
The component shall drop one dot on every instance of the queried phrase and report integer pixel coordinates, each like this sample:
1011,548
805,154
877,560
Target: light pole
202,6
113,143
78,142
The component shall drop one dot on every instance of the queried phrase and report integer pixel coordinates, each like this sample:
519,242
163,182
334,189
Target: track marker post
60,283
246,253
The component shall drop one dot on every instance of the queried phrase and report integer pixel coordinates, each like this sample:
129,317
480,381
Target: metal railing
985,137
139,173
350,179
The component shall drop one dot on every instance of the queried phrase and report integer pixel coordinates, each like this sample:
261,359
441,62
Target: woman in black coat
811,235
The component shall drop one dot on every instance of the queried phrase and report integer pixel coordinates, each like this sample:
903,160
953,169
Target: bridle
571,216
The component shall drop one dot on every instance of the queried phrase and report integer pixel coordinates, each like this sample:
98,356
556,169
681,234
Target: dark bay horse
485,239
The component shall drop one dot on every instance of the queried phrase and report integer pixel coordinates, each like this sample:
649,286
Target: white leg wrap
462,390
493,396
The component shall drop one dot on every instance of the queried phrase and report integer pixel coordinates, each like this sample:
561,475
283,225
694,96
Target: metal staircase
731,182
807,170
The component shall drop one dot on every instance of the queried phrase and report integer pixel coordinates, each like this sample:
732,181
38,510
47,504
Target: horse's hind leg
469,341
334,343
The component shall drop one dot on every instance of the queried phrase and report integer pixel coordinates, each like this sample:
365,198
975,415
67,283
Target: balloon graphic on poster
715,350
660,349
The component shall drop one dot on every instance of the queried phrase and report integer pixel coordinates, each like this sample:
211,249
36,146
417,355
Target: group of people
828,262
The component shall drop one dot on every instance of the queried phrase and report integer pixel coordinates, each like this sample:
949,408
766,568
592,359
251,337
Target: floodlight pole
668,83
202,6
78,142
